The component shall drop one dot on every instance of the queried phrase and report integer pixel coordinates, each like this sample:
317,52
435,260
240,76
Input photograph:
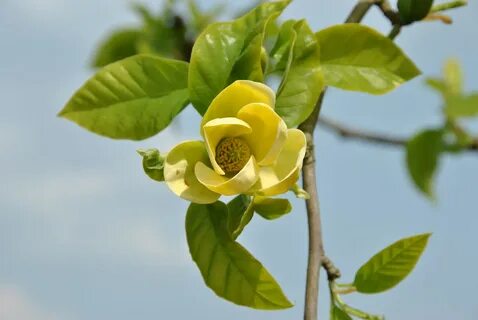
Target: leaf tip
427,235
61,113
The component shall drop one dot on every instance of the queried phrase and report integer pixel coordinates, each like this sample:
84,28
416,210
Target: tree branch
360,9
388,12
360,135
316,254
372,137
316,246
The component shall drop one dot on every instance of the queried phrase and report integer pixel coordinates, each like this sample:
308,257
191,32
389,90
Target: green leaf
281,53
227,267
228,51
452,83
437,84
302,80
453,77
339,314
147,17
423,151
413,10
457,104
391,265
200,19
153,163
458,136
240,214
462,106
134,98
161,38
271,208
119,45
363,60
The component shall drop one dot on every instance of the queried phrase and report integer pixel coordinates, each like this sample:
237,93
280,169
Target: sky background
85,235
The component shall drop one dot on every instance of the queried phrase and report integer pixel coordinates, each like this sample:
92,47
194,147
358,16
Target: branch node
309,157
333,272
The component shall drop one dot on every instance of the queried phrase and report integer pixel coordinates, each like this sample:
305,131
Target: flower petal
269,132
280,177
240,183
179,172
232,98
219,128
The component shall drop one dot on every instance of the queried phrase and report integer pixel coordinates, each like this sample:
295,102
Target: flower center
232,154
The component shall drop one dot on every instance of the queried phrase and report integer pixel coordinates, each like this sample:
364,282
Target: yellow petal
179,172
280,177
232,98
217,129
240,183
269,132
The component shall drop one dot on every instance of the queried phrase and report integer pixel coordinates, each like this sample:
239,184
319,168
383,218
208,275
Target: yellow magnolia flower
247,149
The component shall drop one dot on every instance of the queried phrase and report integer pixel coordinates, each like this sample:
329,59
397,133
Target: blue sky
85,235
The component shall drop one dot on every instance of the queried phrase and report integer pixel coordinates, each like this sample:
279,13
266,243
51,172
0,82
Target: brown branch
362,7
316,254
333,272
316,246
372,137
359,11
360,135
388,12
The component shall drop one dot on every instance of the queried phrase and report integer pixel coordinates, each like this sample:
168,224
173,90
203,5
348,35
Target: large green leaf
391,265
271,208
228,51
134,98
302,80
119,45
413,10
358,58
227,267
423,151
241,211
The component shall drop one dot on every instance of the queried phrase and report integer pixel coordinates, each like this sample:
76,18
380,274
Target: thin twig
388,12
361,135
395,31
360,9
372,137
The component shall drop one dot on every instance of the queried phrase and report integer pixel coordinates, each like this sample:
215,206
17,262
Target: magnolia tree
256,142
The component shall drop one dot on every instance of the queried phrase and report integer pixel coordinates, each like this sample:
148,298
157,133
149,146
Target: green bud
413,10
153,163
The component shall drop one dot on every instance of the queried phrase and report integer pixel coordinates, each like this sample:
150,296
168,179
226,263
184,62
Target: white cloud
41,10
16,305
78,214
10,138
50,193
58,200
140,241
